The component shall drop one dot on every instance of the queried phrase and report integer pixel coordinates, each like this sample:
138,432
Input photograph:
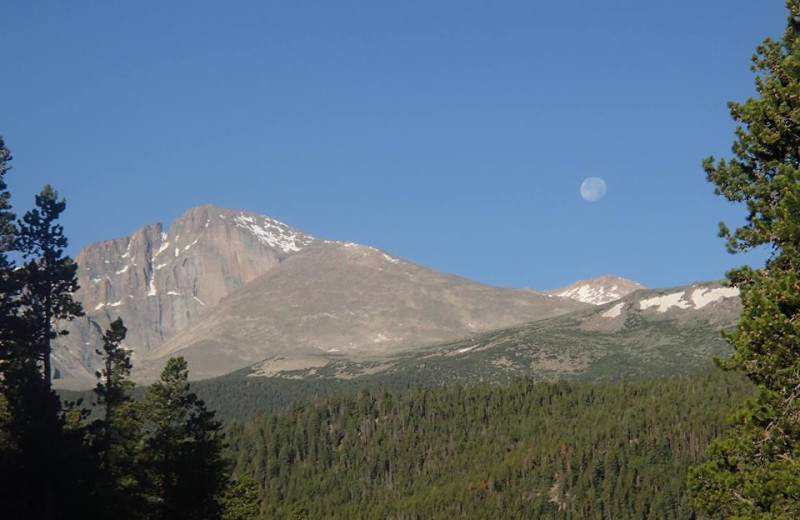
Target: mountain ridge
650,332
164,282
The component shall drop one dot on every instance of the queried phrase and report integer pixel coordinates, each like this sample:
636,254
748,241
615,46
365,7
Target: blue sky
452,133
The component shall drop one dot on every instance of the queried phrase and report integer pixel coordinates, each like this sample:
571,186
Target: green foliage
7,228
49,277
754,470
183,448
117,436
46,462
241,500
520,450
114,385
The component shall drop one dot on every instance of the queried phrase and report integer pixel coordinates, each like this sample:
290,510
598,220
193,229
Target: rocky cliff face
160,282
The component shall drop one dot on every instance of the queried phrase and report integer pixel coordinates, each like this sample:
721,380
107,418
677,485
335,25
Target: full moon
593,189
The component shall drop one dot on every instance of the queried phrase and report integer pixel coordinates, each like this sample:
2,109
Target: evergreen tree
754,470
10,456
45,284
7,241
183,449
241,500
49,277
9,303
118,433
114,387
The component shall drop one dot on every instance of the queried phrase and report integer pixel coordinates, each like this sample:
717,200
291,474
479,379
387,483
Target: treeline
236,396
523,450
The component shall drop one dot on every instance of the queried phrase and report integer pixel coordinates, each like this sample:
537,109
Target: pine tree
9,286
183,448
241,500
49,277
46,282
754,470
118,432
7,240
13,374
114,387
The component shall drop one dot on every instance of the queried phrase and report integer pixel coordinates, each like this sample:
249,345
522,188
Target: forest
522,450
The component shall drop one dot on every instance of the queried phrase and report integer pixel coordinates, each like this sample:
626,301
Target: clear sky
452,133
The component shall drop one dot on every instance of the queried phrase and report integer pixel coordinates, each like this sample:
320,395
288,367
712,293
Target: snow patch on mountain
699,298
273,233
665,302
703,296
589,294
163,247
614,311
191,245
598,291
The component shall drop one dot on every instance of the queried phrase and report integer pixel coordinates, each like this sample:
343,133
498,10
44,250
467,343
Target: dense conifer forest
522,450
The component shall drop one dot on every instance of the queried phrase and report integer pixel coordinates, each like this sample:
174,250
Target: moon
593,189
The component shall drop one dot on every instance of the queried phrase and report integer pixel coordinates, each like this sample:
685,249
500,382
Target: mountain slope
648,333
345,300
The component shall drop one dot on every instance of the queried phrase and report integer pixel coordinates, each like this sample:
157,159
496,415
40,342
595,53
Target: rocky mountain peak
599,290
160,281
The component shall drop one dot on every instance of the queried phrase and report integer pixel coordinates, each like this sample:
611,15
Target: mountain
345,300
161,281
598,291
227,288
647,333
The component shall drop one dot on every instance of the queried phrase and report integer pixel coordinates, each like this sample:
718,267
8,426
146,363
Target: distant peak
599,290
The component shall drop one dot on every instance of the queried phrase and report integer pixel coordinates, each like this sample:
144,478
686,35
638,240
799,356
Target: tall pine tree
113,389
50,277
118,433
183,448
14,373
754,470
8,286
47,281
